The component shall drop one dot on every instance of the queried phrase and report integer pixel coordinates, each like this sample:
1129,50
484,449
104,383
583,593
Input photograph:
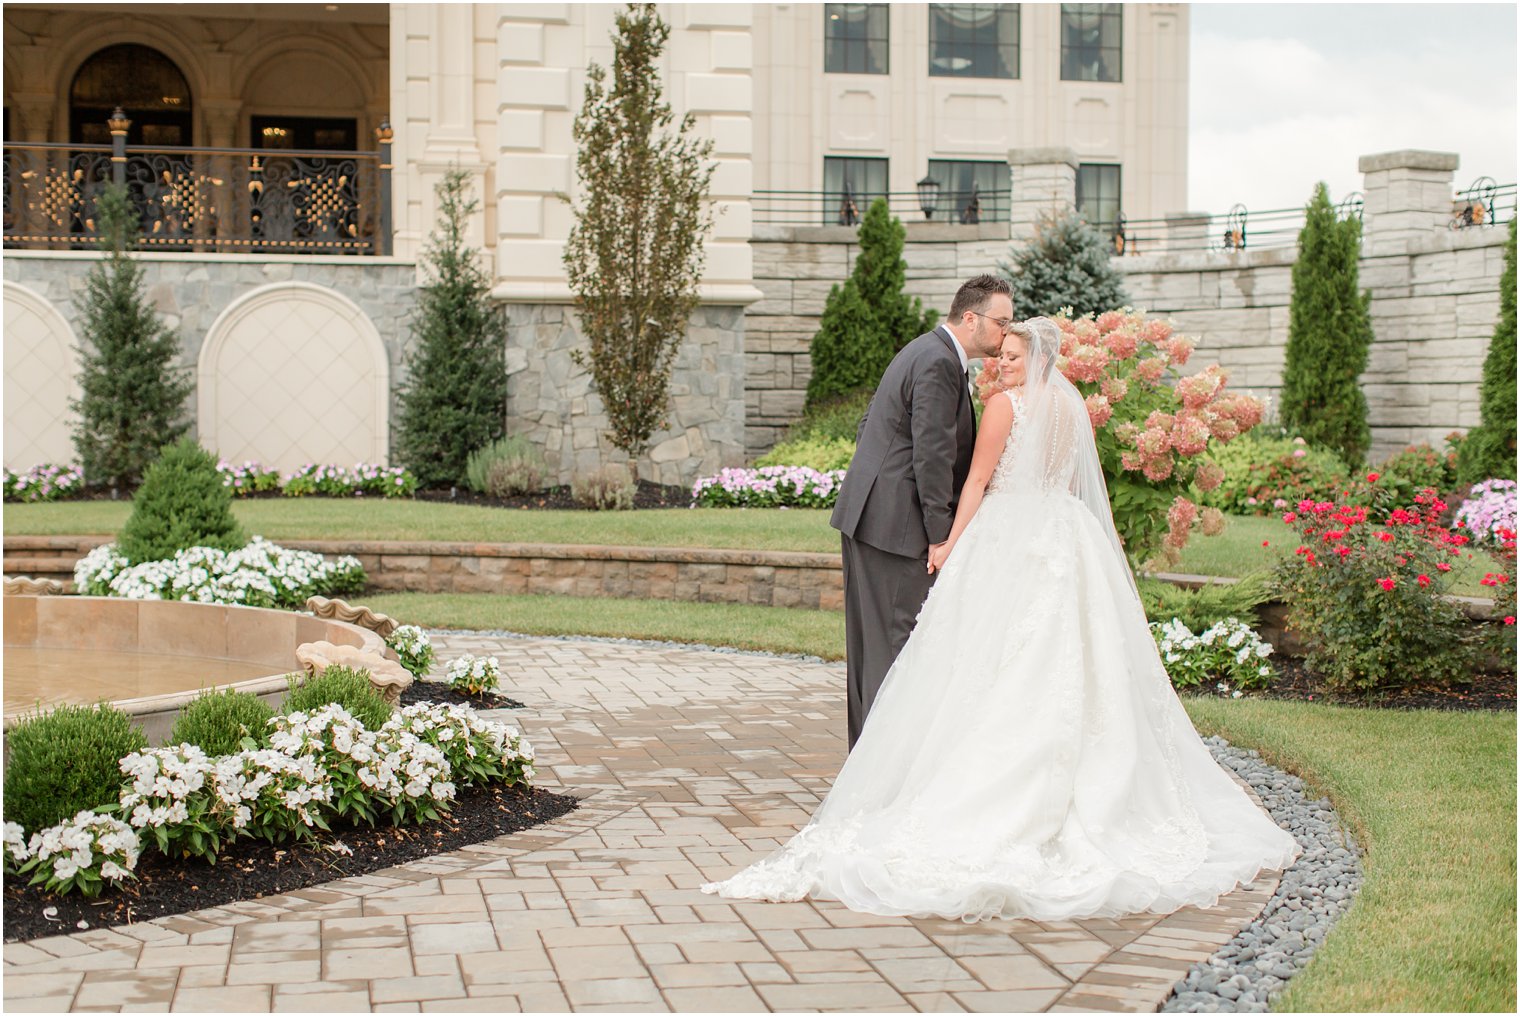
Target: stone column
1187,231
1407,194
1044,184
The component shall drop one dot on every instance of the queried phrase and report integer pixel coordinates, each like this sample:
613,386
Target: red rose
1387,584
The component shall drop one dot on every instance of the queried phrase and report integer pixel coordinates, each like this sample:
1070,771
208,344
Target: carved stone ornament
21,585
389,678
340,610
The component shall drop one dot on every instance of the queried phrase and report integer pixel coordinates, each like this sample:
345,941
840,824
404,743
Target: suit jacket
913,451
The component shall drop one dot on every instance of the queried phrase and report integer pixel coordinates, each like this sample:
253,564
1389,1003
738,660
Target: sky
1285,95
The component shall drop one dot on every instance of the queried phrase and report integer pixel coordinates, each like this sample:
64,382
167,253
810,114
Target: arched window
140,80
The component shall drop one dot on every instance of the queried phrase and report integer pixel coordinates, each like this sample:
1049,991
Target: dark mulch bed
649,495
1295,682
250,869
438,691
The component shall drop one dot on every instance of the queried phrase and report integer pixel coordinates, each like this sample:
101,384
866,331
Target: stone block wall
796,266
551,400
1434,290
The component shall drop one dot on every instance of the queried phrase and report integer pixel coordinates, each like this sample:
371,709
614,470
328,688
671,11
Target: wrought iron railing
213,200
846,208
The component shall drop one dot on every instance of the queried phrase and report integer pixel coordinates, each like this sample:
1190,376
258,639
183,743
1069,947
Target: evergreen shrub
1489,451
217,721
66,761
1067,264
1329,335
182,503
346,686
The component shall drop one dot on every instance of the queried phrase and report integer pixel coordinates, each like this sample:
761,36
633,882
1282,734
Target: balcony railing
846,208
209,200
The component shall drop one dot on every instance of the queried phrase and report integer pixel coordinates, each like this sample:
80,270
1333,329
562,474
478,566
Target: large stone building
285,156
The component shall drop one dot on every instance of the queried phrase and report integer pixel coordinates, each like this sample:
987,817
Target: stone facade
1434,290
551,401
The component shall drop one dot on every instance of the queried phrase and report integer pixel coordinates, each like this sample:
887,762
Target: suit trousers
883,593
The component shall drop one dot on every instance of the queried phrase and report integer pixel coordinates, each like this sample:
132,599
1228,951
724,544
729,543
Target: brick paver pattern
689,764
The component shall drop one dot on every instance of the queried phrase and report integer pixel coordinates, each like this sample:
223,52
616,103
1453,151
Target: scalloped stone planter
257,644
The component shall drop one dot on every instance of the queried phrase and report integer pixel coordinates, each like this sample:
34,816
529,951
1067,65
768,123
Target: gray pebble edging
1253,967
1249,971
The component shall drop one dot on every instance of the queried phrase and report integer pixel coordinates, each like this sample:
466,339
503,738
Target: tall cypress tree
869,318
634,256
1329,335
455,396
1489,450
132,397
1065,264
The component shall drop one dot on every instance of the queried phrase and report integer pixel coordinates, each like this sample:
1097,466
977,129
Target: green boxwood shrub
66,761
820,453
182,503
217,721
349,688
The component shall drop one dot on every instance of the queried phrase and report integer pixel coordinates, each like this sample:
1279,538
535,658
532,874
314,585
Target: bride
1026,756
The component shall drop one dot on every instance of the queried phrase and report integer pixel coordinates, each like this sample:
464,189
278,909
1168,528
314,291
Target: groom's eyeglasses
1002,323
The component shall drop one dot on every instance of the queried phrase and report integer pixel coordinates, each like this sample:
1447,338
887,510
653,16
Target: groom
913,450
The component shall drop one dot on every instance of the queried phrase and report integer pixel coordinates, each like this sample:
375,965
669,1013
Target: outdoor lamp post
928,196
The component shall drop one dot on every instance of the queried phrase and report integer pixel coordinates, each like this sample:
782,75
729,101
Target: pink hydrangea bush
1154,424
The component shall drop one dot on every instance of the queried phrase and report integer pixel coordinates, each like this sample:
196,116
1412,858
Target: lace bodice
1056,472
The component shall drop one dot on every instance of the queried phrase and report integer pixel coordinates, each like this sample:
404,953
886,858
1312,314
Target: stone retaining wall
766,578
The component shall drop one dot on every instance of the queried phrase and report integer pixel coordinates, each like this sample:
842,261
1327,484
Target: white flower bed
85,853
319,764
262,574
474,674
414,648
1229,652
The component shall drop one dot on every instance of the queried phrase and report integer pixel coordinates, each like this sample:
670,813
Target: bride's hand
937,555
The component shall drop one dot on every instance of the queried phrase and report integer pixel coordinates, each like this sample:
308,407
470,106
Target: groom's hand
937,554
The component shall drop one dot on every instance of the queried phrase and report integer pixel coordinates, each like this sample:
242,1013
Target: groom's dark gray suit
912,455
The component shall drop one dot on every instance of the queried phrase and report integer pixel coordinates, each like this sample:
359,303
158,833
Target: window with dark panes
1098,195
305,132
855,38
1091,42
974,40
850,185
147,85
971,191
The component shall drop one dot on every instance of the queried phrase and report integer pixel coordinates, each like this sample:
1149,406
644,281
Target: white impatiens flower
474,674
261,574
15,847
88,842
1228,649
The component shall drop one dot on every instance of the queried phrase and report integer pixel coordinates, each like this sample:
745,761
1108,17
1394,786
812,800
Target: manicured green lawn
1431,797
1236,552
772,629
357,519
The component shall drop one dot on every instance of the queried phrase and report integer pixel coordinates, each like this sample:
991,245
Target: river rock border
1252,969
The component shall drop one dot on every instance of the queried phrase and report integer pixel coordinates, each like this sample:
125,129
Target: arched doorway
140,80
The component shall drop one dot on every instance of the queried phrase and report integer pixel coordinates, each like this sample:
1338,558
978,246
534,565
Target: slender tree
634,256
869,318
1329,335
1066,263
132,395
454,400
1489,450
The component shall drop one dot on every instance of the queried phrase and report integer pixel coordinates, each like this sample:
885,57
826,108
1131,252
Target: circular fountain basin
151,657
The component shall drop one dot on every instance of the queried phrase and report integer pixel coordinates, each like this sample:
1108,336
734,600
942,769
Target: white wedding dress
1026,755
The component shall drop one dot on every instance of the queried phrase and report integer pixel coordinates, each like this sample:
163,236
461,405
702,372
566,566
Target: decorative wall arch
292,373
41,378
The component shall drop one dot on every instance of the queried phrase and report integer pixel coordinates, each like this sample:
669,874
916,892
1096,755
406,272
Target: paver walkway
690,763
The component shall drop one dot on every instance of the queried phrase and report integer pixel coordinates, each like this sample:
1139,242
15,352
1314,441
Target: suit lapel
965,376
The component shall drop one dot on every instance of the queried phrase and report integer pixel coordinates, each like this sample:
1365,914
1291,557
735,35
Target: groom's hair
975,292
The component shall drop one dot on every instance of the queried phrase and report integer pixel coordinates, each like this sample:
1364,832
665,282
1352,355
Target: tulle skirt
1026,755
